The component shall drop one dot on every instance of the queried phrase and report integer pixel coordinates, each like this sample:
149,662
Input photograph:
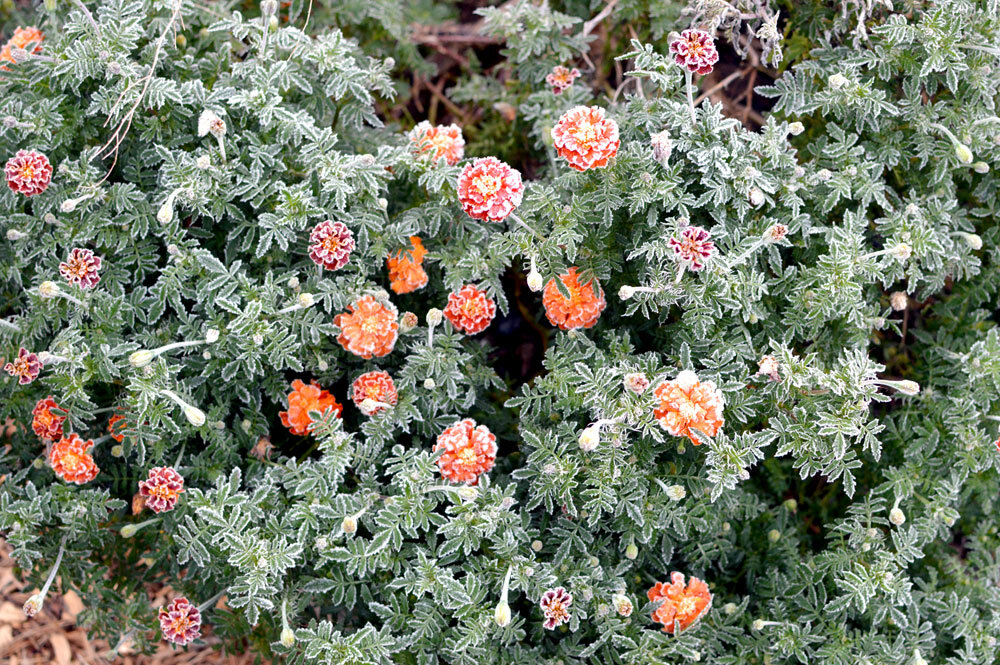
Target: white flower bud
898,301
141,358
117,450
173,250
293,282
626,292
823,175
48,289
434,316
774,535
973,240
128,530
981,167
257,339
730,608
468,493
796,128
194,415
114,68
268,7
837,81
204,162
430,384
536,546
33,605
535,281
963,153
245,425
166,212
501,615
322,365
622,604
306,300
676,492
383,203
211,336
349,525
917,658
69,205
287,637
590,438
756,197
662,146
908,387
758,624
897,517
902,252
273,23
631,551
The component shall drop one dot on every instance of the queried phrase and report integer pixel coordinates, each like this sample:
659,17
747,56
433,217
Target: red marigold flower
580,310
81,268
437,142
694,247
116,427
161,489
469,451
303,399
46,424
561,78
23,37
695,51
180,621
470,310
70,458
28,172
331,244
489,189
372,391
555,605
681,605
406,273
25,367
585,138
370,329
689,404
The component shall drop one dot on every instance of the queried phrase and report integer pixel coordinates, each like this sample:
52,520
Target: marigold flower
180,621
406,272
303,399
636,382
695,51
561,78
161,489
681,605
370,329
580,310
71,460
331,244
372,390
769,366
22,38
469,451
489,189
470,310
81,268
623,604
116,427
694,247
555,604
437,142
585,138
44,423
28,172
25,367
688,404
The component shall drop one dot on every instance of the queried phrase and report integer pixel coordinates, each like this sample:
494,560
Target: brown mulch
52,635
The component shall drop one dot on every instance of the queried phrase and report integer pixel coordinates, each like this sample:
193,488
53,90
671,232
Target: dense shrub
604,372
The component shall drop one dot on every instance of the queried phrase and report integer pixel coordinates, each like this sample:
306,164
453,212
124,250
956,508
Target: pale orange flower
45,423
469,451
70,458
23,37
406,272
373,391
437,142
489,189
116,427
303,399
470,310
580,310
687,404
585,138
370,329
681,605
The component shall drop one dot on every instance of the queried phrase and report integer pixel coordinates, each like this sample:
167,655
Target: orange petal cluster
683,605
303,399
377,387
581,310
28,172
489,189
21,39
437,142
469,451
470,310
70,458
370,329
46,424
687,404
406,272
585,138
116,427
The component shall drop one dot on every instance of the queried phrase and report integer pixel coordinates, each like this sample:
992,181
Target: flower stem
689,87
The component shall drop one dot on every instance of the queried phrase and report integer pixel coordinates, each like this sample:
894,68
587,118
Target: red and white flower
28,172
489,189
81,268
561,78
331,244
373,392
555,604
437,142
585,138
180,622
693,248
46,424
694,50
161,489
25,367
71,460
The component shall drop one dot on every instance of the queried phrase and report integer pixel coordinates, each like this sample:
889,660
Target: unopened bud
434,316
166,212
14,234
430,384
796,128
963,153
897,517
973,240
211,336
501,615
117,450
141,358
590,438
676,492
536,546
981,167
204,162
468,492
898,301
626,292
383,203
33,605
306,300
622,604
774,535
268,7
837,81
194,415
287,637
349,525
48,289
128,530
534,281
756,197
631,551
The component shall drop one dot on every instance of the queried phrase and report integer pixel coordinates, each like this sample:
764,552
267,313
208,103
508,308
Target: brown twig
720,85
589,26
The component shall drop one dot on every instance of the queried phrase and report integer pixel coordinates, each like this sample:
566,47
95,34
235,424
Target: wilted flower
555,604
623,605
470,310
756,197
81,268
898,301
695,51
407,322
25,366
331,244
676,492
468,451
44,423
406,272
769,366
585,138
583,307
373,392
662,146
28,172
489,189
180,621
369,329
161,489
687,404
635,382
303,399
561,78
71,460
693,248
437,142
681,605
776,233
210,123
21,39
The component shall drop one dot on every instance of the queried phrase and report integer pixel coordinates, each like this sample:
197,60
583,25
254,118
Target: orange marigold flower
585,138
44,423
469,451
303,399
180,621
470,310
406,273
688,404
28,172
370,329
489,189
580,310
681,605
23,37
437,142
373,392
70,458
116,427
161,489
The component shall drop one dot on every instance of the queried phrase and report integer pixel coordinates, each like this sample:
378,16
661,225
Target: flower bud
917,658
306,300
730,608
141,358
897,517
963,153
117,450
349,525
204,162
902,252
430,384
14,234
981,167
501,615
898,301
48,289
273,23
166,212
128,530
69,205
268,7
908,387
676,492
631,551
287,637
662,146
194,415
973,240
407,322
590,438
791,505
796,128
622,604
434,316
626,292
756,197
383,203
837,81
19,54
774,535
33,605
211,336
635,382
534,281
468,492
536,546
758,624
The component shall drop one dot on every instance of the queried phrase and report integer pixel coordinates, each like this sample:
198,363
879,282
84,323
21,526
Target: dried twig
589,26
